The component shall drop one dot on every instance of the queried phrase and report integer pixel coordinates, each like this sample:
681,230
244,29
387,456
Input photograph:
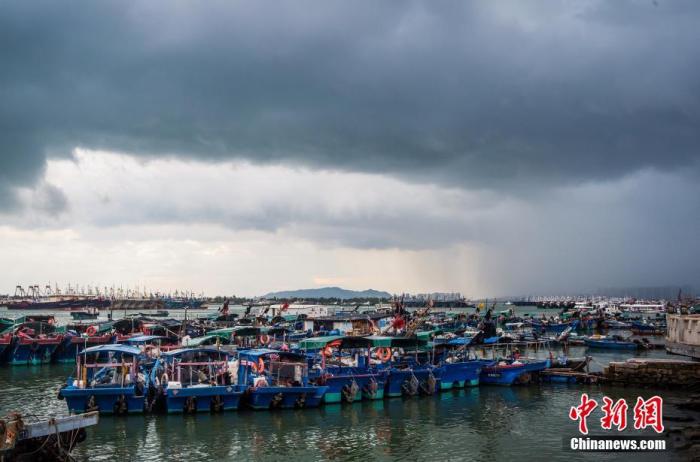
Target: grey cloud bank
505,95
564,135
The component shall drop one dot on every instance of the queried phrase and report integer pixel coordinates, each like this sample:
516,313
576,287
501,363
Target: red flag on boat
398,323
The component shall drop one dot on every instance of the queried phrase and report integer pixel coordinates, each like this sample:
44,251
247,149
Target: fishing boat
196,380
33,343
448,354
157,314
85,315
341,363
277,379
553,326
647,328
617,325
610,342
55,303
207,340
109,379
454,368
5,342
510,371
137,303
406,375
6,324
244,336
459,374
181,303
78,337
573,364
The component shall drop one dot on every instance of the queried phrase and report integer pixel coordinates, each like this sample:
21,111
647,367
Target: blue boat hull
284,397
203,399
553,378
342,380
23,354
611,345
501,375
72,346
458,375
106,399
397,383
495,374
536,366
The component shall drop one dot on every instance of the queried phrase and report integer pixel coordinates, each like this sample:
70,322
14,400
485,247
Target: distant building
649,293
435,296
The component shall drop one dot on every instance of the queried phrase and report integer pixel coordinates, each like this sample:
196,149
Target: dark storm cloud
477,94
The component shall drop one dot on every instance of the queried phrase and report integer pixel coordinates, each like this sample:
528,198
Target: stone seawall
657,373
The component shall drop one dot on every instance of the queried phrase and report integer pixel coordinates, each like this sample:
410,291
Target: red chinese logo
647,413
614,414
582,411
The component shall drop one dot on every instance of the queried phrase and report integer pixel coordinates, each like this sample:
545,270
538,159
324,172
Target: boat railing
101,365
281,371
202,363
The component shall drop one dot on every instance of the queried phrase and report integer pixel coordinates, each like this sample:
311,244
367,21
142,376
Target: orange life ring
327,352
261,365
264,339
254,367
92,330
384,354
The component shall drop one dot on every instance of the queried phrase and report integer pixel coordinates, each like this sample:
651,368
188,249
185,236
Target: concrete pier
683,334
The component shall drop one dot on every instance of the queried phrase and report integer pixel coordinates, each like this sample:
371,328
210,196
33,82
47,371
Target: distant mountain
329,292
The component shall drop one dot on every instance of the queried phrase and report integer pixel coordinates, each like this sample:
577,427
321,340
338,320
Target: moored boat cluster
224,361
123,378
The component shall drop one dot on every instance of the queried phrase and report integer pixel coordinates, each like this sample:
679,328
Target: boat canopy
117,348
182,351
197,341
460,341
341,341
254,354
316,343
396,342
278,330
428,334
238,330
143,339
102,327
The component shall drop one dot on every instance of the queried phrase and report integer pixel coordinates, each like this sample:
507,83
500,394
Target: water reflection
483,423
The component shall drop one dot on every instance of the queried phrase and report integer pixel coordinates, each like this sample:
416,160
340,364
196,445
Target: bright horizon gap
237,227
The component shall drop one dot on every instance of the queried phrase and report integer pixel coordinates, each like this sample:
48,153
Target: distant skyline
650,292
510,147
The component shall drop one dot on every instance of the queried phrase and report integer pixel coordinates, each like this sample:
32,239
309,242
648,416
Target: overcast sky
493,148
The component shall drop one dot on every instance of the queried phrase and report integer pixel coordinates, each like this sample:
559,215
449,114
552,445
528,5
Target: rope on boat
410,386
371,388
349,392
598,363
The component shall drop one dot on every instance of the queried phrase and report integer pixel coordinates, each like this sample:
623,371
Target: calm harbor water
483,424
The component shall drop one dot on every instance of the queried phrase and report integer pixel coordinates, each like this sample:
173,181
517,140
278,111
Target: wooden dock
568,375
50,439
